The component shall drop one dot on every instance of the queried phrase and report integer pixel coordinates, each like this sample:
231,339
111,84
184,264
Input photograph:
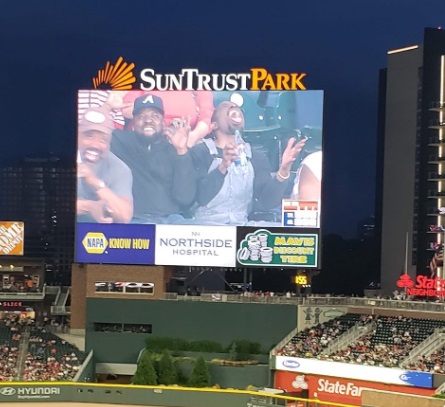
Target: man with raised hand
164,180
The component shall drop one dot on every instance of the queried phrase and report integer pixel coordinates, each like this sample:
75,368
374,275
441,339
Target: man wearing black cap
104,182
164,180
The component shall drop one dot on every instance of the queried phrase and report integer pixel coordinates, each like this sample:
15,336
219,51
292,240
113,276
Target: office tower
40,191
411,158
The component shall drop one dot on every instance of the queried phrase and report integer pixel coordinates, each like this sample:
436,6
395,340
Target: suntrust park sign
192,79
121,76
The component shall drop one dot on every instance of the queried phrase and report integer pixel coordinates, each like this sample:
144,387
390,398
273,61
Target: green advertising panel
276,248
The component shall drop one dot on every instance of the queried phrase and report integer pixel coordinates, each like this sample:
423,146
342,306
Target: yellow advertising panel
12,235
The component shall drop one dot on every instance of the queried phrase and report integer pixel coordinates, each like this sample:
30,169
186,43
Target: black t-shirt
164,182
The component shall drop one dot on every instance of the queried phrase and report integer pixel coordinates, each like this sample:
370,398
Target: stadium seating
312,341
51,358
388,344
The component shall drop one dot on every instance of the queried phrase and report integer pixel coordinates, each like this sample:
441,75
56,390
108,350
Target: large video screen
199,178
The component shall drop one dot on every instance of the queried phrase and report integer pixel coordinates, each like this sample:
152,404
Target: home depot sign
337,390
11,238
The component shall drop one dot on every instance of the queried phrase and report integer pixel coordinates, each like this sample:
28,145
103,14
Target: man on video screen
104,181
235,179
164,178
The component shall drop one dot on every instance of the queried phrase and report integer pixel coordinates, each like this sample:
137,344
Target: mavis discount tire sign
11,238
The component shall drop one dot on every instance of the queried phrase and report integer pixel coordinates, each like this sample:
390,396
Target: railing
60,310
427,347
433,157
52,289
61,300
14,296
436,123
22,352
437,105
315,300
347,338
283,342
83,367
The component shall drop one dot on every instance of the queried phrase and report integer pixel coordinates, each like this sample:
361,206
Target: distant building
411,158
40,191
366,228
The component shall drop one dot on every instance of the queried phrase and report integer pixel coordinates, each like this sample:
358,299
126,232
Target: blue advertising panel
115,243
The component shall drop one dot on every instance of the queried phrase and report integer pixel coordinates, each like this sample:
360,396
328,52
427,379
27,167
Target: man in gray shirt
104,183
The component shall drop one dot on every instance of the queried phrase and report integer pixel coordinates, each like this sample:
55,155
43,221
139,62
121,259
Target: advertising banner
195,246
355,371
12,235
30,393
338,390
243,158
423,286
276,247
115,244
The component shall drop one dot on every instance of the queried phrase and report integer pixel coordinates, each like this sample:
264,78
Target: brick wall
84,277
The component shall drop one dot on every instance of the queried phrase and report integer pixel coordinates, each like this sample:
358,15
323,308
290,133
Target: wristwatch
100,185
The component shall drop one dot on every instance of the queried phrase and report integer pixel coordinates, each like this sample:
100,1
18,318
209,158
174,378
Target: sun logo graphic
116,77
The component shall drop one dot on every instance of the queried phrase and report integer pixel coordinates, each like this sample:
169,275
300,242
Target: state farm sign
339,390
423,286
333,386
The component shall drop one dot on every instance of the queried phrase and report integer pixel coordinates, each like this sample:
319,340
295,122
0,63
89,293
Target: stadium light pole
406,253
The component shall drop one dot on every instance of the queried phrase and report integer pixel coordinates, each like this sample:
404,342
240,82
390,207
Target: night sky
49,49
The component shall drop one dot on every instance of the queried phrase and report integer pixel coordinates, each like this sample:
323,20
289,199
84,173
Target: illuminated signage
10,304
275,248
423,286
129,287
120,76
168,212
301,280
195,245
192,79
115,243
11,238
95,243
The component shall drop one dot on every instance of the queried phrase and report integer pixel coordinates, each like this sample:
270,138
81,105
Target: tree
242,349
145,372
233,352
167,370
200,376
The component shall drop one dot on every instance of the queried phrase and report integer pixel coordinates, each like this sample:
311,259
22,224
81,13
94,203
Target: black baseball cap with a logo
148,100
